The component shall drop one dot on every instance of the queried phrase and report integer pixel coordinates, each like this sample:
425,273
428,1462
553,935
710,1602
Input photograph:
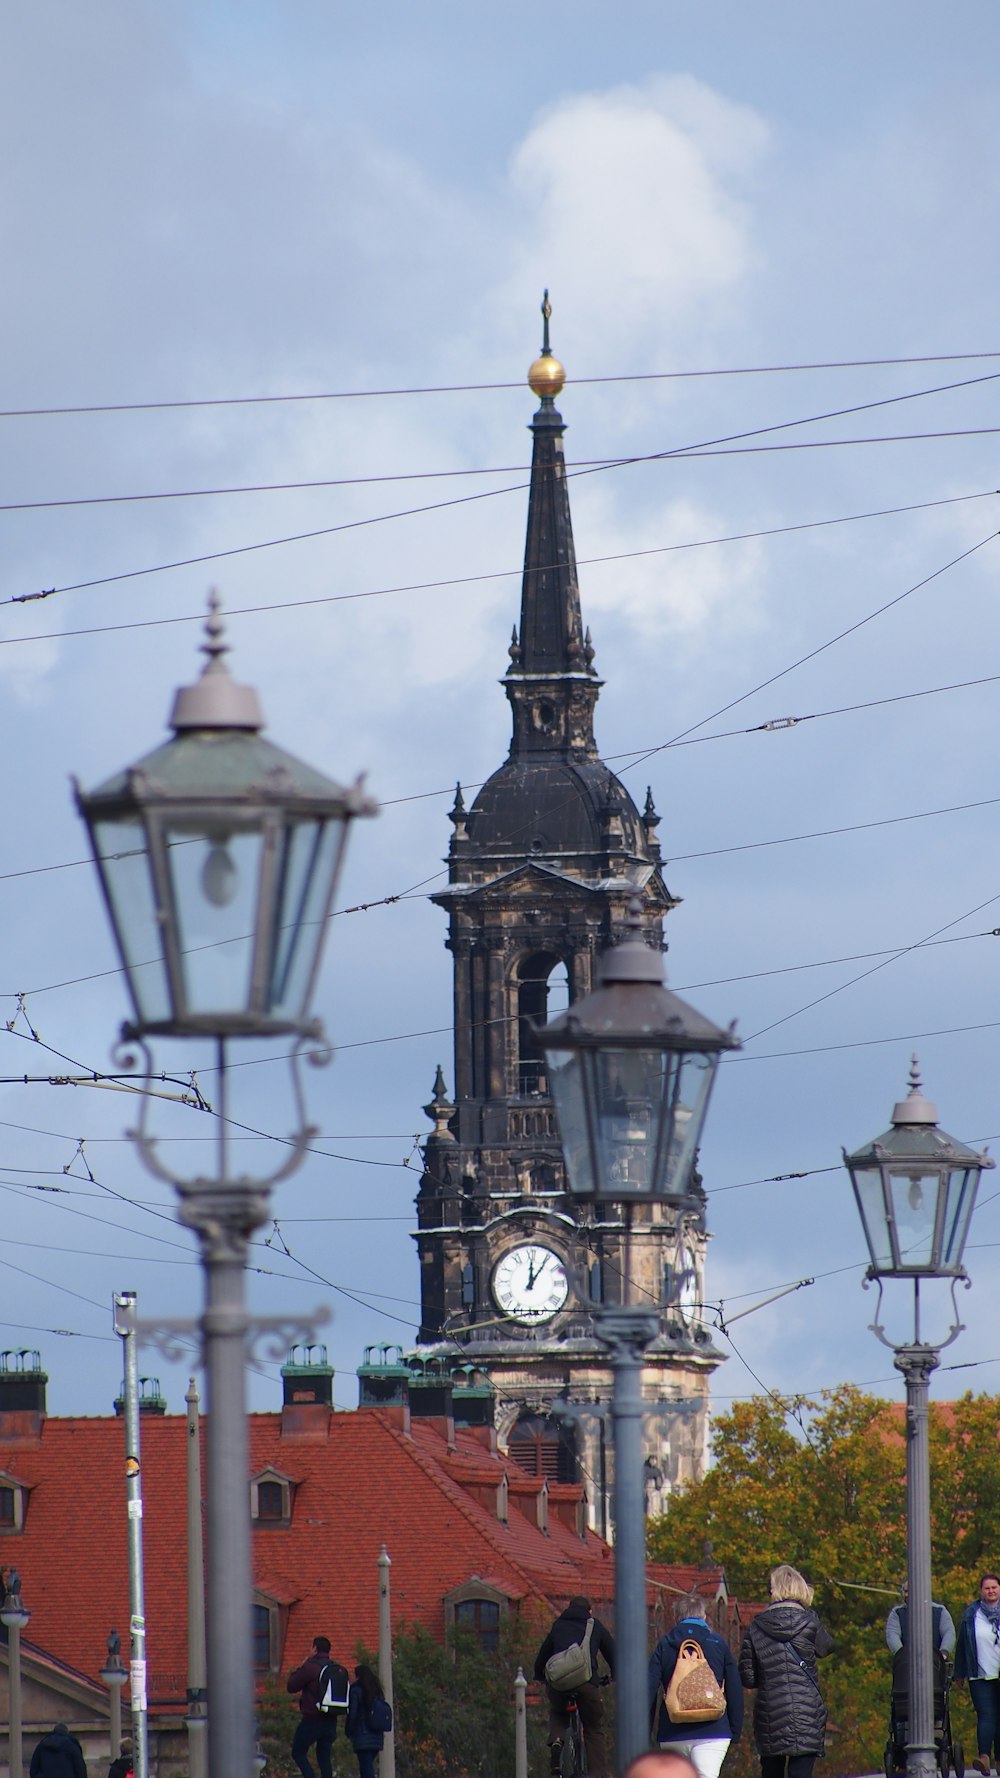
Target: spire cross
546,318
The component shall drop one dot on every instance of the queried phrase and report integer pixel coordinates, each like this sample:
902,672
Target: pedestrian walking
778,1658
363,1715
123,1766
977,1659
58,1755
705,1743
317,1726
942,1626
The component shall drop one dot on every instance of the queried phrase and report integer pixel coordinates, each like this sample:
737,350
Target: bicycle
573,1754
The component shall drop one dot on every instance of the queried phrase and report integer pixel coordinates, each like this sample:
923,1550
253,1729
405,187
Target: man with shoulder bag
322,1685
702,1694
567,1662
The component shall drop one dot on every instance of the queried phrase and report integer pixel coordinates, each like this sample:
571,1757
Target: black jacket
719,1656
779,1658
58,1755
570,1627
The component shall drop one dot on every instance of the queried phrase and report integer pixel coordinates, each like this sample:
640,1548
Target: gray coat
778,1658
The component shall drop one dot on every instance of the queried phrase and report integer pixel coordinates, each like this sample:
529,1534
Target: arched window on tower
468,1287
545,1447
542,992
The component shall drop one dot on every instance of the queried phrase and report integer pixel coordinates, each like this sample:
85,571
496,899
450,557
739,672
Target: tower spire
551,630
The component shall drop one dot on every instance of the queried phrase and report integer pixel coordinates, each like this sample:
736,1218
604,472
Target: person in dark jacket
123,1766
365,1740
942,1627
58,1755
316,1728
778,1659
571,1627
977,1659
703,1743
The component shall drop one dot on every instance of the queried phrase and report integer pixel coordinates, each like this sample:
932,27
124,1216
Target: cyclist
569,1629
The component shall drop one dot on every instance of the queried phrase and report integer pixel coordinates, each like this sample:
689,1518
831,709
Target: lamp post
916,1189
630,1069
15,1614
114,1674
218,855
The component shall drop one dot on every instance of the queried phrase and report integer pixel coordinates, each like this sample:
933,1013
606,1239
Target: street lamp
631,1068
916,1189
114,1674
218,855
15,1614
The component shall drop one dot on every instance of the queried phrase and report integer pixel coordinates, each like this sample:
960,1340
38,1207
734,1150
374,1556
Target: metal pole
916,1363
230,1652
15,1740
115,1702
197,1712
387,1758
627,1332
125,1319
520,1726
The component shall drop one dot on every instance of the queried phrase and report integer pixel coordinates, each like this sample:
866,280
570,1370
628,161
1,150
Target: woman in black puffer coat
778,1658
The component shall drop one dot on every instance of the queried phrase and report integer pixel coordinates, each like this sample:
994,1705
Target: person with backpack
703,1742
567,1662
369,1719
322,1687
122,1767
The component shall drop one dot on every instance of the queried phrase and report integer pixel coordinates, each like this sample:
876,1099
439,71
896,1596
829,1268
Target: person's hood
782,1622
574,1614
54,1740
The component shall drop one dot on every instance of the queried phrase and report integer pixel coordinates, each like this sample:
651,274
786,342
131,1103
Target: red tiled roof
363,1484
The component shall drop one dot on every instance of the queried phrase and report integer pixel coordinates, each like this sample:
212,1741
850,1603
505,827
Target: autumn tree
823,1485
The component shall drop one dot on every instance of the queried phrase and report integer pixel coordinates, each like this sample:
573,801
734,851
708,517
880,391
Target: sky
767,232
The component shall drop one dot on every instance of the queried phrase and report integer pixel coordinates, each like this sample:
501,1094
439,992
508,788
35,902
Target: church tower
542,868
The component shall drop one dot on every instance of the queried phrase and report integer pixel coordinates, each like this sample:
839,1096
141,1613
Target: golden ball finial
546,376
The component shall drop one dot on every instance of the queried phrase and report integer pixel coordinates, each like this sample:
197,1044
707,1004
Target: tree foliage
822,1484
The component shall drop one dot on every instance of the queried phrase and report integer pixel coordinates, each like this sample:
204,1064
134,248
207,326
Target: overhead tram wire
198,617
579,467
725,444
653,376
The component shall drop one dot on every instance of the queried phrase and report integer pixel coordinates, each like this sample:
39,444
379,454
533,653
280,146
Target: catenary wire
598,463
652,376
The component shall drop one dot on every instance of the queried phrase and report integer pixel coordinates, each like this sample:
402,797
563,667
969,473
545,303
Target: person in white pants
705,1744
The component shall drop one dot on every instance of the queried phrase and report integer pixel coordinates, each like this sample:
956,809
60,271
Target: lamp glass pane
871,1203
566,1081
960,1197
629,1099
693,1075
309,854
124,865
214,872
914,1199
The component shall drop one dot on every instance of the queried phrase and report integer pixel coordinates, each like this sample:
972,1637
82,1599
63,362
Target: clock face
530,1283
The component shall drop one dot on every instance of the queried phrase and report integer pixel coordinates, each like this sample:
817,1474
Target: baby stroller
950,1757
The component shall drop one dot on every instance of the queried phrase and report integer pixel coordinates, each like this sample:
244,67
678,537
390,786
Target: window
543,991
270,1500
544,1447
13,1503
468,1287
595,1283
261,1638
482,1617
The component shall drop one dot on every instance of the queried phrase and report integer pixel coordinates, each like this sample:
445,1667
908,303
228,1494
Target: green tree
822,1485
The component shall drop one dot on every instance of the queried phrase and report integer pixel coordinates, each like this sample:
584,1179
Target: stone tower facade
542,868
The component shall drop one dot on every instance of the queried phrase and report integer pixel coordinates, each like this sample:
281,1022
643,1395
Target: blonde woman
778,1659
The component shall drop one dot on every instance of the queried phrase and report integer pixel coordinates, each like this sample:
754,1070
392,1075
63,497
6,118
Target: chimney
306,1393
384,1382
22,1396
150,1399
431,1396
473,1405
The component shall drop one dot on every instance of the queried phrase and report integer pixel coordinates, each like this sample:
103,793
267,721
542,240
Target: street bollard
520,1726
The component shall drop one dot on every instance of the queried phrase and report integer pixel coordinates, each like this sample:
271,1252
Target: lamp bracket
268,1336
241,1203
659,1412
917,1345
